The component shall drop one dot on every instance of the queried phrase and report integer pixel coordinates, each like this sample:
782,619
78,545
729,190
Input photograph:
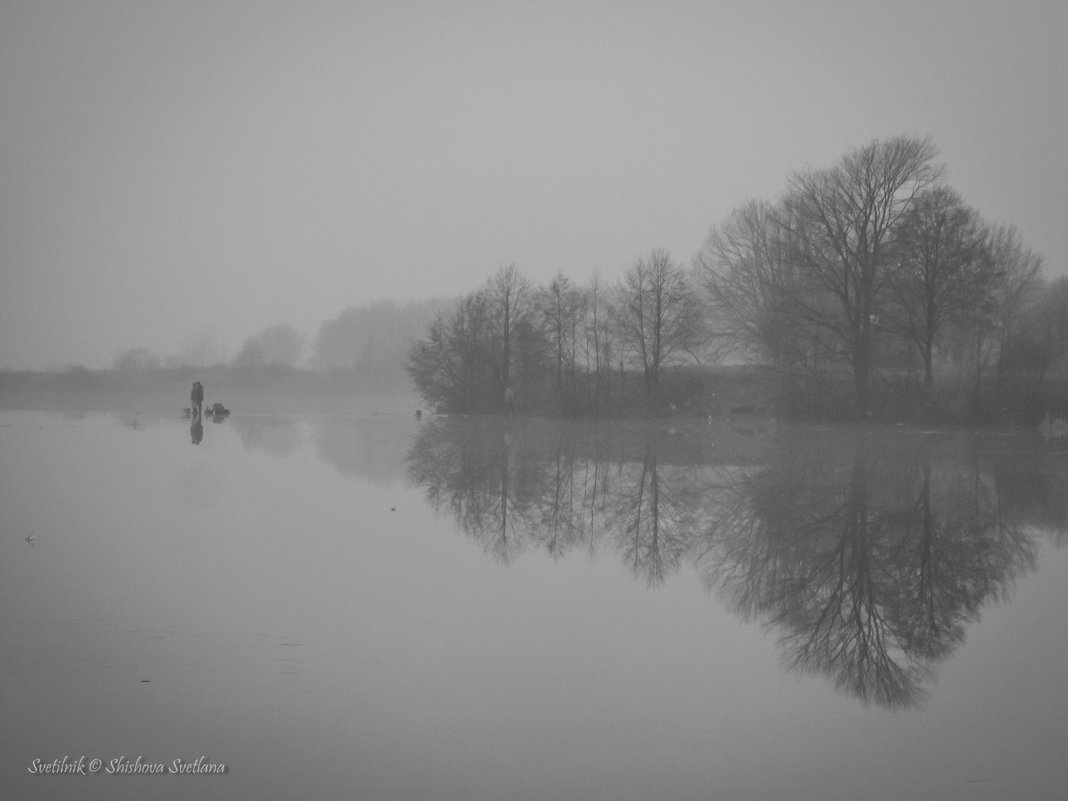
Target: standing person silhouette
197,399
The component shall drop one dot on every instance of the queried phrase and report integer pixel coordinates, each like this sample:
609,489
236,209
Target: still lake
367,606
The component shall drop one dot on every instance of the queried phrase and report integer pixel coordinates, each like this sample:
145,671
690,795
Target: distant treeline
870,289
372,339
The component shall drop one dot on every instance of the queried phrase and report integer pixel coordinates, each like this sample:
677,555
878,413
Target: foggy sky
179,170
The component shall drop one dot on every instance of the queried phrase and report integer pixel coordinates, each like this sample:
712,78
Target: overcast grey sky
170,170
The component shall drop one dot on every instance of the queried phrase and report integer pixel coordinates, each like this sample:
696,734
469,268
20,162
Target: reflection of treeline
370,447
861,286
869,558
868,554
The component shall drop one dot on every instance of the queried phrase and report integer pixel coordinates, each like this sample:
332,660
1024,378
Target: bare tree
561,307
599,339
452,366
1000,287
939,241
659,316
203,350
511,306
1046,323
742,269
842,229
373,335
750,283
276,344
137,359
1019,273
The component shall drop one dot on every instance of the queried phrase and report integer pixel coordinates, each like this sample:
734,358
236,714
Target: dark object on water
418,414
218,410
196,397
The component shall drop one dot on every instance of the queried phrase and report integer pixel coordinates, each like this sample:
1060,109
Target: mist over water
366,605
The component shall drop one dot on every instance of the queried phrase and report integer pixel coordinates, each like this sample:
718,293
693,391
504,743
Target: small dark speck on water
393,508
146,681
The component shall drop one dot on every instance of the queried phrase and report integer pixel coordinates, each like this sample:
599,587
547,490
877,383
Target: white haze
174,173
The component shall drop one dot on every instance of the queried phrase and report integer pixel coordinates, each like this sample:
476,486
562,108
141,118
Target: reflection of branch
870,575
652,536
515,484
504,546
870,569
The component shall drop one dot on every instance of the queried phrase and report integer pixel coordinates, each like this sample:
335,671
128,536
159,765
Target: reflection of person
196,430
197,399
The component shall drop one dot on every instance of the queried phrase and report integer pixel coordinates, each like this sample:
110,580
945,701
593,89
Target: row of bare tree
867,270
876,266
512,346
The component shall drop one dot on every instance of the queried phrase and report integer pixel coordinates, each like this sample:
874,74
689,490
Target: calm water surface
371,607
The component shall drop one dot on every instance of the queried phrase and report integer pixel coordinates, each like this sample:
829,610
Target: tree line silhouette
859,287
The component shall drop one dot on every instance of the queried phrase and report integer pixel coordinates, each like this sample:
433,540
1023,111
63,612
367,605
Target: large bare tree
276,344
842,231
737,270
745,269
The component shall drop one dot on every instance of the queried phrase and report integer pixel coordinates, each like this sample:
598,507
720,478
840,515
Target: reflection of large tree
869,560
869,554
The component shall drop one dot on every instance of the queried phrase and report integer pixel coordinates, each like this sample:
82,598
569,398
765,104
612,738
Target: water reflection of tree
652,517
519,485
278,436
470,469
869,554
135,421
368,447
1033,490
869,561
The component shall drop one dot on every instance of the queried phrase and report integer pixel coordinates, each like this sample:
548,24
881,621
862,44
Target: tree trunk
928,373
